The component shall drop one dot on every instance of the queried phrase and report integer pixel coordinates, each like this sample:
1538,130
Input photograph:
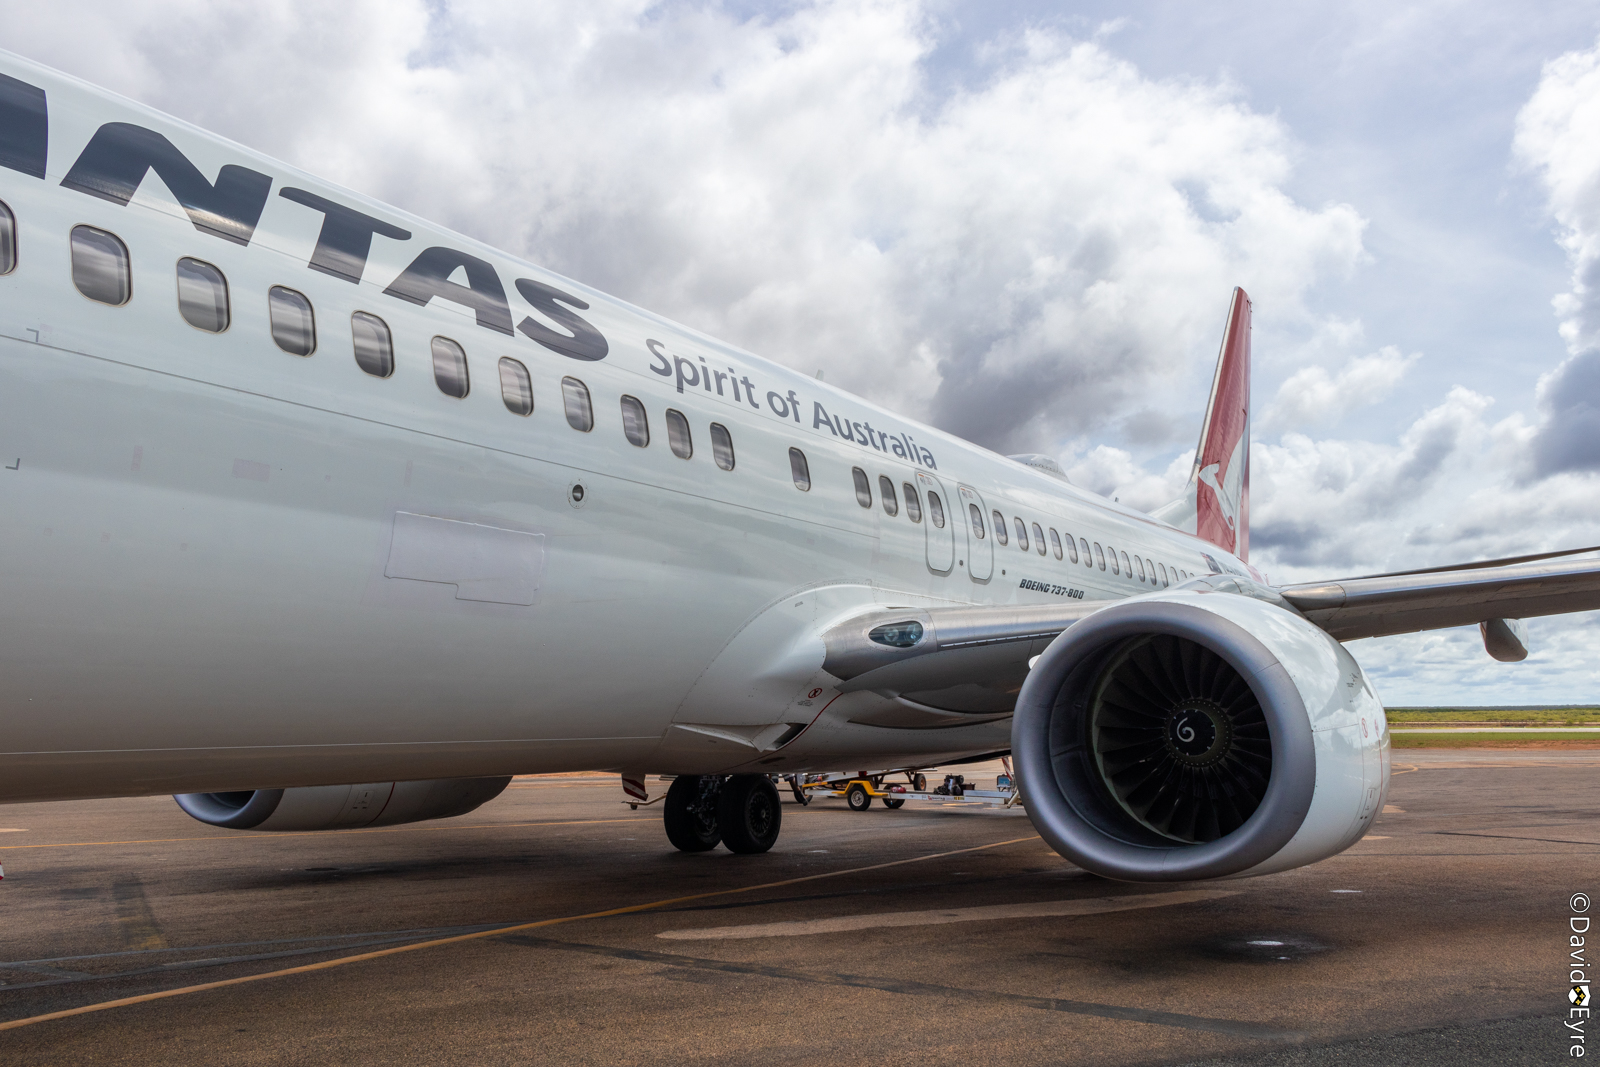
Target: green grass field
1473,739
1553,716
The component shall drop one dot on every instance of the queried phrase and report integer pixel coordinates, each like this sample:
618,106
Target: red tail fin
1221,476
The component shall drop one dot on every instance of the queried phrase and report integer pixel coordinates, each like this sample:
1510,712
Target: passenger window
100,266
800,470
977,521
8,240
1083,543
913,502
886,494
202,295
374,344
1000,529
1111,554
1161,569
1127,568
863,487
935,509
1140,564
1055,542
722,446
575,399
516,388
294,327
1038,539
678,438
635,424
450,367
1022,536
1099,556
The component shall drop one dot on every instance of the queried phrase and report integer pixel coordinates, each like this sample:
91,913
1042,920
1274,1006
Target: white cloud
1011,260
1556,138
1112,472
1311,396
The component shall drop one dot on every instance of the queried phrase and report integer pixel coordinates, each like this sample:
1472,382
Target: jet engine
1199,734
339,807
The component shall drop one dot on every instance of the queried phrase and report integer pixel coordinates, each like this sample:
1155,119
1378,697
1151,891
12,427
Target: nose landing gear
741,811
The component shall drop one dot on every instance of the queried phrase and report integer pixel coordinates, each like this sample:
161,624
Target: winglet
1216,503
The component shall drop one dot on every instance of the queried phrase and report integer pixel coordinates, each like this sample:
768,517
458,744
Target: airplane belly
202,588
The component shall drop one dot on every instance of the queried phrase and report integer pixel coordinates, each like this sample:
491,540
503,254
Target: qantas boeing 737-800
302,491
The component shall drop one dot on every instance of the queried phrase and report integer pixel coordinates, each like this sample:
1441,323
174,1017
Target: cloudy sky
1021,221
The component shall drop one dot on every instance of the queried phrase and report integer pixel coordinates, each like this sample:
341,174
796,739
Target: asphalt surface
928,935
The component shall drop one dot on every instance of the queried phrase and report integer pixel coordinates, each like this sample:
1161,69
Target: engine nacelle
340,807
1199,734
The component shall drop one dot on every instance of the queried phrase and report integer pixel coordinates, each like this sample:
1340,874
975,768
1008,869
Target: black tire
801,796
893,803
857,797
749,814
690,819
921,782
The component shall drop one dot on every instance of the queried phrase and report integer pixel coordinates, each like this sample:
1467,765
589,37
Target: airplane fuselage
228,566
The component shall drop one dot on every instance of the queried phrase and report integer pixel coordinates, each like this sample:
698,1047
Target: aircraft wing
1405,603
973,660
970,660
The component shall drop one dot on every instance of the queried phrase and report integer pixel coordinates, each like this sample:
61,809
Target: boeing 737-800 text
301,490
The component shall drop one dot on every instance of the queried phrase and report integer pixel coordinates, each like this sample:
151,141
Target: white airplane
302,491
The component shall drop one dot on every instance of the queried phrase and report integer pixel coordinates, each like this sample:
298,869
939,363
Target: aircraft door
939,516
980,546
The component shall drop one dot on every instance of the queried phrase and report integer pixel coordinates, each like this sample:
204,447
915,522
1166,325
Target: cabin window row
801,471
891,500
102,271
636,425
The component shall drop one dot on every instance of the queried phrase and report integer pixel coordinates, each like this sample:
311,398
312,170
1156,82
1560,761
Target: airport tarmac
556,925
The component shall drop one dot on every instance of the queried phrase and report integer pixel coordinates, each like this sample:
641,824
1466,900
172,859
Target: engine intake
1198,735
337,807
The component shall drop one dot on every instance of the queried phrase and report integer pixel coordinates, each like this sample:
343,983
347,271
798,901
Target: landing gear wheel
801,797
690,814
892,803
749,813
920,782
857,797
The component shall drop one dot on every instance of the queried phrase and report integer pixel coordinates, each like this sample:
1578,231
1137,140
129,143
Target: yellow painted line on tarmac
840,924
269,835
481,934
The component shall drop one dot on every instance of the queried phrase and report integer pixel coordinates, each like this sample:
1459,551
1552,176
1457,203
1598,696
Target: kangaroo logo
1228,488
